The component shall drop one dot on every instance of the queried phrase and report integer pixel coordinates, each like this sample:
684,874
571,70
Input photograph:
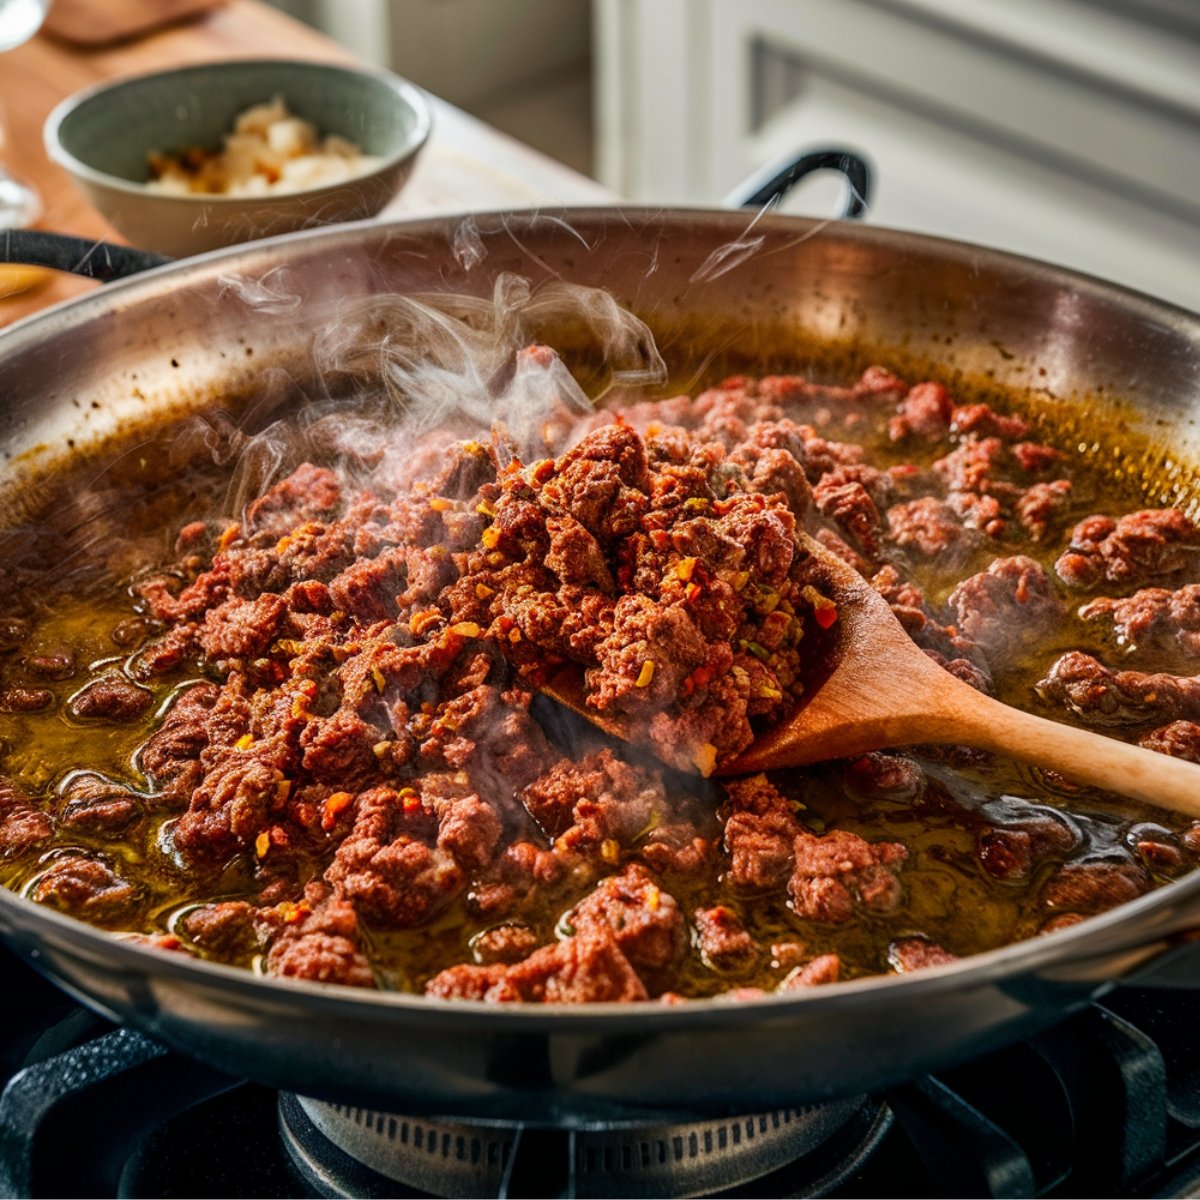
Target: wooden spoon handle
1085,757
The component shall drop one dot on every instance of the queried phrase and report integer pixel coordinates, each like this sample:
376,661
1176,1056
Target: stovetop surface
1105,1104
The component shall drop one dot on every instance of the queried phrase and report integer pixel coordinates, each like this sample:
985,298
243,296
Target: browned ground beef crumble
347,749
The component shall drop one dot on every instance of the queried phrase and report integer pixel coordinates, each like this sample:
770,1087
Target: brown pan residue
306,736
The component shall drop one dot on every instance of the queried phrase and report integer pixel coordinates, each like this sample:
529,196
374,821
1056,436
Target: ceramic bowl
104,135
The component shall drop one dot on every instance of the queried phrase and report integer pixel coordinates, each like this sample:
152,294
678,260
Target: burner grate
470,1159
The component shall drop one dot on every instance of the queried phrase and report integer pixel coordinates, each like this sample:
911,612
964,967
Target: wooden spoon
882,690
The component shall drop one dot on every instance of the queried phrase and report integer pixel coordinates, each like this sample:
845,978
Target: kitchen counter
465,166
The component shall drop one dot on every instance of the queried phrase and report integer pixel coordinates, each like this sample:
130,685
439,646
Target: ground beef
848,504
504,944
317,939
23,700
917,953
1152,615
385,873
226,929
964,669
676,849
925,412
596,798
760,833
87,888
95,805
1004,607
683,570
644,920
982,420
839,871
60,665
111,698
308,493
1012,848
928,526
1152,546
1041,507
586,969
1158,848
172,752
722,937
885,775
353,763
1179,739
1101,696
524,873
22,826
825,969
1092,887
909,606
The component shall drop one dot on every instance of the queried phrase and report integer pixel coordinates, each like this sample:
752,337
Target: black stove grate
1105,1104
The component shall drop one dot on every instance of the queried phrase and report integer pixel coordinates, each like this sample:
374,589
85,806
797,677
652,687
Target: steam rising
448,359
269,293
456,363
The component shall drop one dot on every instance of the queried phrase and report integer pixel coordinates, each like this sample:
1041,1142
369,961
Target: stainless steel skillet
773,289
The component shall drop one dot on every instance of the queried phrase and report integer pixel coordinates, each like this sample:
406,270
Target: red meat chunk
1101,696
834,873
1152,546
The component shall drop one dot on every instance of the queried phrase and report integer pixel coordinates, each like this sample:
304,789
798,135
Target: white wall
462,50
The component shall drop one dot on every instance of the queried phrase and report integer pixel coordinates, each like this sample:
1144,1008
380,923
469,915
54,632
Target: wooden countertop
465,166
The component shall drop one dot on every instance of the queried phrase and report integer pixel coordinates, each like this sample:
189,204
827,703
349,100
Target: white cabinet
1064,129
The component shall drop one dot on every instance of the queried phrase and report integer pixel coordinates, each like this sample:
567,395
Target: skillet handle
78,256
778,178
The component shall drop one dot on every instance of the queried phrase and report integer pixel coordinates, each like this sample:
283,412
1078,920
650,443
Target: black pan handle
80,256
106,261
776,179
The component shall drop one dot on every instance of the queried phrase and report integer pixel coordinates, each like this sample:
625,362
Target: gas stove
1105,1104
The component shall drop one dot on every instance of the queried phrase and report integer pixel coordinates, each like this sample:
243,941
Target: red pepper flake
231,532
262,844
824,610
693,592
421,622
334,804
291,912
826,615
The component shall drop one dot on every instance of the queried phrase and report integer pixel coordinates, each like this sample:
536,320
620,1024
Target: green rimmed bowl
103,137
